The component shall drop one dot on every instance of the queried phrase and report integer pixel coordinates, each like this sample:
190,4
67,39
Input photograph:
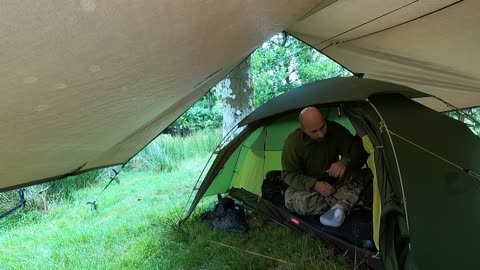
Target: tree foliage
205,113
279,65
284,63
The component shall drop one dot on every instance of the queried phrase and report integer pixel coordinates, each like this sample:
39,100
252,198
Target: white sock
334,217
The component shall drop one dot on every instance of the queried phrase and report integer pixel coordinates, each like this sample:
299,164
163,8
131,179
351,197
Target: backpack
226,215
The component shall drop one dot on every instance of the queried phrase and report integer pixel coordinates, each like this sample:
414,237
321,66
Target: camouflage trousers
348,191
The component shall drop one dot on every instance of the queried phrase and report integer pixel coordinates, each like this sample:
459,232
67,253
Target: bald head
312,123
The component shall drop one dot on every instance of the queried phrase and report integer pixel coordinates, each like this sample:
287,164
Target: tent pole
404,200
218,148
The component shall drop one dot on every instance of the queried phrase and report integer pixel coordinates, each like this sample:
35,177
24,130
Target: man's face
316,129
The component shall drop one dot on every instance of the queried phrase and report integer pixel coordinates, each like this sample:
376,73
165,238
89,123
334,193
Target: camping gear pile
226,215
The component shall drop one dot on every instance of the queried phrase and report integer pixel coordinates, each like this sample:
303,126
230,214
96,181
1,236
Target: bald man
317,178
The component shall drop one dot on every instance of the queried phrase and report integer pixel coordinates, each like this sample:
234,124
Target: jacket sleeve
292,168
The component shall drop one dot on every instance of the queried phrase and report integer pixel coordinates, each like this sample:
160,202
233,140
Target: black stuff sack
226,216
273,188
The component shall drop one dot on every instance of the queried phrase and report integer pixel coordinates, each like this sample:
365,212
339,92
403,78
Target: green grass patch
196,246
166,152
135,228
43,197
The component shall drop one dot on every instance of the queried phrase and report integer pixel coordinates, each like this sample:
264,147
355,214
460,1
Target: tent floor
356,230
348,239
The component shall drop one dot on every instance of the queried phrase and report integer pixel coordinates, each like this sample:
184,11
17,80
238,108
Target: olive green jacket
305,161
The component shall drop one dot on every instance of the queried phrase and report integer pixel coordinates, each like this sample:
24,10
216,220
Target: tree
279,65
205,113
284,63
237,97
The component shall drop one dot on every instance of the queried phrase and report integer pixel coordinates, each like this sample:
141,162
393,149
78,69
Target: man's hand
337,169
324,188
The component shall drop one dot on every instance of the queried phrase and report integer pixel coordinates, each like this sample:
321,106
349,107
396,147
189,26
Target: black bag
273,188
227,216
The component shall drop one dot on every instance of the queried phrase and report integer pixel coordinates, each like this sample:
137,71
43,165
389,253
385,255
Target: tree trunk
237,98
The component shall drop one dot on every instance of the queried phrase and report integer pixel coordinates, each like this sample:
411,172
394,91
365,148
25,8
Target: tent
425,167
87,84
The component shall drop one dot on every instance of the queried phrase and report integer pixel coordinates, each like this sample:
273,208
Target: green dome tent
425,163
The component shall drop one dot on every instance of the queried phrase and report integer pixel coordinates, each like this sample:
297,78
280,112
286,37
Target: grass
43,197
166,152
135,228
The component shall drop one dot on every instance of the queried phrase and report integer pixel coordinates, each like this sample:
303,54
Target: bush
206,113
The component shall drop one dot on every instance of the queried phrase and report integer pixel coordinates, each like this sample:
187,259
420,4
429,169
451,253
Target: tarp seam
367,22
400,24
